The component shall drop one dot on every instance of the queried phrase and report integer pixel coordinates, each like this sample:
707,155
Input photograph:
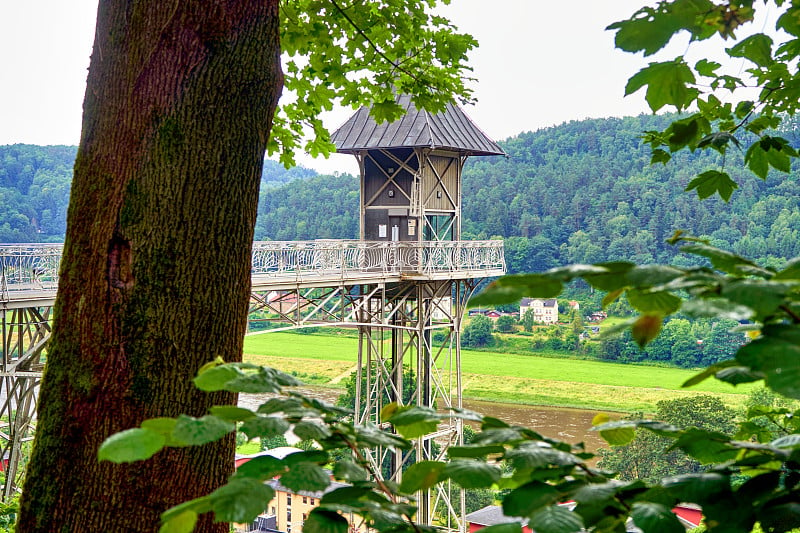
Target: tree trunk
155,276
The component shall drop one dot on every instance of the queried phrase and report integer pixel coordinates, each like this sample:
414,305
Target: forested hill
583,191
35,185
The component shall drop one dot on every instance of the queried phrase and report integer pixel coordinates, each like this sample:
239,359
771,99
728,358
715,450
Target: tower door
395,227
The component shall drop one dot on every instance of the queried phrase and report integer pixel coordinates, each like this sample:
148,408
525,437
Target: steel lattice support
399,361
24,334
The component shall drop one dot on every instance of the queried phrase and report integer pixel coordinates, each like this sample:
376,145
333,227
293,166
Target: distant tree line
580,192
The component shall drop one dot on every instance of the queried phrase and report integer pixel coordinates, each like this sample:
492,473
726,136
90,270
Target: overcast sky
540,63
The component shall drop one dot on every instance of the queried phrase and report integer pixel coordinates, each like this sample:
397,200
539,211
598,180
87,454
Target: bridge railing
351,258
34,267
29,267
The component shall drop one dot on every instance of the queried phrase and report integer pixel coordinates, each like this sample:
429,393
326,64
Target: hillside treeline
583,191
35,184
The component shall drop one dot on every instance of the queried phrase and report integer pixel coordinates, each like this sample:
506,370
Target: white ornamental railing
351,258
34,267
26,267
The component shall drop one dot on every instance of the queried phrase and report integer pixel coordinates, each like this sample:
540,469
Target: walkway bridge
405,289
29,272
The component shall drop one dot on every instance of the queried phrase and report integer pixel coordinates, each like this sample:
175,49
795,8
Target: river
570,425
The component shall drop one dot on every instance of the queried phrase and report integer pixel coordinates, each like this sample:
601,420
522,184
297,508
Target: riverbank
327,360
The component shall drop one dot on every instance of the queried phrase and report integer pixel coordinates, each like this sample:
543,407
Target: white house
545,311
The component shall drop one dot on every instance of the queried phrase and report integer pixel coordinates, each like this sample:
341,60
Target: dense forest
583,191
35,184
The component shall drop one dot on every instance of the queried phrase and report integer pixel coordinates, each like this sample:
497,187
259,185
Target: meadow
526,379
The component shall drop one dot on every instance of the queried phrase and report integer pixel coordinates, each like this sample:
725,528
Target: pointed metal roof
449,130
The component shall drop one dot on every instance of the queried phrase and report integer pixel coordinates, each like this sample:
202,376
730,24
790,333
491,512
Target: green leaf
597,493
779,159
659,428
368,436
306,430
656,518
386,111
781,517
131,445
790,272
652,275
718,141
757,48
776,354
650,302
538,455
325,521
263,467
474,451
720,259
706,446
736,375
648,30
704,67
471,473
179,516
763,297
306,477
231,413
659,156
613,276
756,160
508,527
699,488
166,427
556,519
512,288
197,431
240,500
716,308
180,523
277,405
311,456
216,378
420,476
686,132
349,471
618,433
707,373
713,181
667,84
412,421
347,494
527,499
264,426
261,380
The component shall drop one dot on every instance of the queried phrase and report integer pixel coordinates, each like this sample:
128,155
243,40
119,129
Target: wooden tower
411,197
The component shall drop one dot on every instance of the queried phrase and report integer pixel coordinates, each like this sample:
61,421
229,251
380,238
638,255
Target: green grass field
527,379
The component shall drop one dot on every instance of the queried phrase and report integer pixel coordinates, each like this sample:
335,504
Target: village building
545,311
288,510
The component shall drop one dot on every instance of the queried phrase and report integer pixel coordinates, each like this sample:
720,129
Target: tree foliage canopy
353,54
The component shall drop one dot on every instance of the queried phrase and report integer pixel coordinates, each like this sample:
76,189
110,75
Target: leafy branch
541,472
714,124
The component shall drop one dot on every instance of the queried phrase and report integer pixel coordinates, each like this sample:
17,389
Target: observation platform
29,272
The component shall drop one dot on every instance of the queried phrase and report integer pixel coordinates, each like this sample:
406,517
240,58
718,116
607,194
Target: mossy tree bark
156,270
